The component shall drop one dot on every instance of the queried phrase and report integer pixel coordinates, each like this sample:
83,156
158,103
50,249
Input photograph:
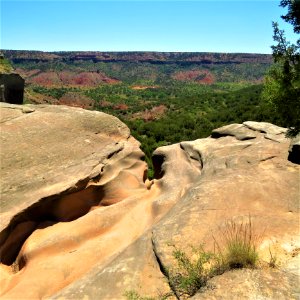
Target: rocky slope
66,78
79,219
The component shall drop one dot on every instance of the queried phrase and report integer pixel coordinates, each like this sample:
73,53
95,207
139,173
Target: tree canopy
282,88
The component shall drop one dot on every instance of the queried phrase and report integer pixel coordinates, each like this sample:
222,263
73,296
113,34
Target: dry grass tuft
239,250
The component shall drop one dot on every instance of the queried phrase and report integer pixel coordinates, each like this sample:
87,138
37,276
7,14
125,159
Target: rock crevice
82,220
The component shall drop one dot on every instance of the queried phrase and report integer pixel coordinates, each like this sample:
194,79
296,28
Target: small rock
27,110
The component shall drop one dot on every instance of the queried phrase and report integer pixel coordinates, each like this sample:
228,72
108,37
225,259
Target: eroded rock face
80,221
11,88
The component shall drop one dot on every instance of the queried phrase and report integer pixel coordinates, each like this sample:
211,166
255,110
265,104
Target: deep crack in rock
163,270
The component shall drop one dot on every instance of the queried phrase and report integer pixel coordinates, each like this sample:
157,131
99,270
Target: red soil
77,100
121,106
199,76
27,73
152,114
105,103
67,78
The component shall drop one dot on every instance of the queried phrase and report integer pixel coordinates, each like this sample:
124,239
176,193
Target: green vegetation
5,66
192,272
282,88
134,295
176,97
53,92
190,110
236,248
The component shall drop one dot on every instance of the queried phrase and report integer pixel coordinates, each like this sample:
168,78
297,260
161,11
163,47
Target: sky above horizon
238,26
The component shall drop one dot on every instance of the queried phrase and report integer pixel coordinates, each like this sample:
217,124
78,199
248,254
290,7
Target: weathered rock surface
79,220
239,131
252,284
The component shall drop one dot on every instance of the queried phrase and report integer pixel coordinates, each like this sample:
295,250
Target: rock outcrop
80,220
294,150
11,88
11,83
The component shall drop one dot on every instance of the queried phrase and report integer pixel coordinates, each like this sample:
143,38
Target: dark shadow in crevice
48,211
158,160
217,135
294,154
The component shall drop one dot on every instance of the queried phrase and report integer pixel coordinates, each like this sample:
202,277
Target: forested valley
163,99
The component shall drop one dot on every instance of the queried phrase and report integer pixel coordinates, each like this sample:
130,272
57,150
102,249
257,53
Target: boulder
11,88
294,150
80,220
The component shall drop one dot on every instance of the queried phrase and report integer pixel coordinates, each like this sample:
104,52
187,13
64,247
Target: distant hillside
138,68
152,57
164,98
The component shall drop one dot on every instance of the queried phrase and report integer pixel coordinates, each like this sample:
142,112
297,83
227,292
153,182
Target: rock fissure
164,271
268,158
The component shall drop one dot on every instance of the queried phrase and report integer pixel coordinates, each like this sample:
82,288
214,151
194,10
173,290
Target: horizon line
134,51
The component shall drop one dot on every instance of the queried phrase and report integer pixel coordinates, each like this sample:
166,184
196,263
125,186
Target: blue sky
201,26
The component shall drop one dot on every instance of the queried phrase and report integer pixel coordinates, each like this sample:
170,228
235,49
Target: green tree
282,86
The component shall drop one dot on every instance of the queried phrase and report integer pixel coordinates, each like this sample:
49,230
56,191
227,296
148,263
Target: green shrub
191,274
134,295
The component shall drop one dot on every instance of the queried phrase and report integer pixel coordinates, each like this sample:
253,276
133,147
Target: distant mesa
185,58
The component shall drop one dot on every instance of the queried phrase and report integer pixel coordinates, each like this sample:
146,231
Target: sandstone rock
252,284
81,221
237,130
238,179
11,88
265,127
294,150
